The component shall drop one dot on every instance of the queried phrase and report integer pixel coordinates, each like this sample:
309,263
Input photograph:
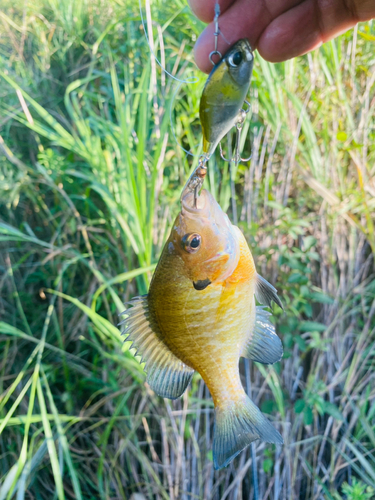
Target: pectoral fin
167,375
264,346
266,293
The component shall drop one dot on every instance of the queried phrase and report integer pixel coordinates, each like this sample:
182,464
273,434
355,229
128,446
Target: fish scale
179,327
236,328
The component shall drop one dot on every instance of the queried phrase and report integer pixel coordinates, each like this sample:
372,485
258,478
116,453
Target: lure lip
242,41
246,41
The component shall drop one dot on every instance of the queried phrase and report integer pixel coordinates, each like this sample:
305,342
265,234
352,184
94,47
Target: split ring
215,53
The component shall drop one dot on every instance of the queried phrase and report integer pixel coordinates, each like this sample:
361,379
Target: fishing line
178,86
214,52
217,32
193,79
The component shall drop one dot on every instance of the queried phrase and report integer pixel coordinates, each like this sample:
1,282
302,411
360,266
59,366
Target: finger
237,22
242,19
302,29
205,9
293,33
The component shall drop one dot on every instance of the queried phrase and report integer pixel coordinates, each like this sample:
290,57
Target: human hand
279,29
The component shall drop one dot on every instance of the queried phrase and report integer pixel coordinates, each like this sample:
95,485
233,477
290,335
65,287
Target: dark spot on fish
201,284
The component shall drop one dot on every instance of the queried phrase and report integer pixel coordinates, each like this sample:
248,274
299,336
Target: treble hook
196,179
216,34
239,124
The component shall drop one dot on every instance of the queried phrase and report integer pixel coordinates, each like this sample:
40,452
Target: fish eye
191,242
235,59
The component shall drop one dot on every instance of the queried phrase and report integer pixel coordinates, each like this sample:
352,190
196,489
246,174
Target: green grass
90,179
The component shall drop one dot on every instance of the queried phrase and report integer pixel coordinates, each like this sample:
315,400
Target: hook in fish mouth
195,181
201,284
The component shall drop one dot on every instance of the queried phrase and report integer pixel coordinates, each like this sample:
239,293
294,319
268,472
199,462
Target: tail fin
236,426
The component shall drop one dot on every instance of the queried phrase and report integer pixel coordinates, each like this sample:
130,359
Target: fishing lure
224,94
221,106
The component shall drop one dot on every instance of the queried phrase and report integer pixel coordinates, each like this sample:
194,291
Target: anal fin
167,375
264,346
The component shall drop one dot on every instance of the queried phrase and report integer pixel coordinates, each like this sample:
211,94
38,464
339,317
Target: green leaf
321,298
308,416
312,326
50,443
268,406
296,278
267,465
309,242
367,36
300,342
341,136
120,279
332,410
299,405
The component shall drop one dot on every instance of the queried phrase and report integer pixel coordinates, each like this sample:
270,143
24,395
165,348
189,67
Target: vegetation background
90,178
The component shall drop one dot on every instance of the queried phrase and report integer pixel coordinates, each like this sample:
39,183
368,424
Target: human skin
278,29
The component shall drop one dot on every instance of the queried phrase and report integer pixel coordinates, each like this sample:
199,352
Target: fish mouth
206,208
201,206
201,284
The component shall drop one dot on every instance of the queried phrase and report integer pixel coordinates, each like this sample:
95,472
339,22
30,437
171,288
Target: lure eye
191,242
235,59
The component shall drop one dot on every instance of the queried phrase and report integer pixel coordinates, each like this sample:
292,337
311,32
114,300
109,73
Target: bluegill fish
200,315
224,94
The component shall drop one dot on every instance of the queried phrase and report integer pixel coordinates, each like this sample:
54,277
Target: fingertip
205,9
238,21
202,10
203,48
290,35
205,45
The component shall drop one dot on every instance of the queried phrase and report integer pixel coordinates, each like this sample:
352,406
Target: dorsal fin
265,293
264,346
167,375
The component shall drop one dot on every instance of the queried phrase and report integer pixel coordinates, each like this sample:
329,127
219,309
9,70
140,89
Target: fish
200,316
224,94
